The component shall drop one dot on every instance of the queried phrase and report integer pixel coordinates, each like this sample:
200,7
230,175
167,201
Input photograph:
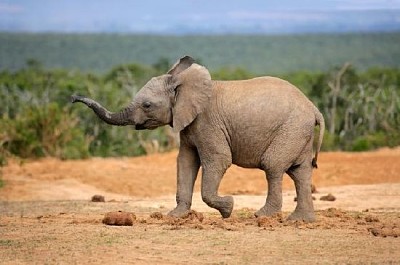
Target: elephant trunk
121,118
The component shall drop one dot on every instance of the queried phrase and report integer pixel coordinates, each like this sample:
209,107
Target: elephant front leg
188,167
212,176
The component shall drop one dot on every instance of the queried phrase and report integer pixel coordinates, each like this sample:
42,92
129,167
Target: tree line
256,53
361,109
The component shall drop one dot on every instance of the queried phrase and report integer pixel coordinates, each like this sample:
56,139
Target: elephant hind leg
275,161
273,203
289,146
301,175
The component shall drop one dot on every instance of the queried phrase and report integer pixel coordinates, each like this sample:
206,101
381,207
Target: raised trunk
121,118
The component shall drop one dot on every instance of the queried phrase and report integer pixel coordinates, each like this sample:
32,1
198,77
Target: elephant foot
223,204
226,207
302,215
267,211
179,212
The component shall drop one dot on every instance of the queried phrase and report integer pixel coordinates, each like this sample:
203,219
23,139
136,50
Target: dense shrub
361,109
44,131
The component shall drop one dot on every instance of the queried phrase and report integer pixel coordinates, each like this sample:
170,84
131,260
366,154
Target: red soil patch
155,175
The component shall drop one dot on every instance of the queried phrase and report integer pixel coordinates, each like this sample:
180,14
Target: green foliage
37,118
373,141
2,163
44,131
330,142
259,54
364,143
361,144
231,74
366,112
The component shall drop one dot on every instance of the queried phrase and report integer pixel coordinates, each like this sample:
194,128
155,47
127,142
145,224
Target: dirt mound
271,222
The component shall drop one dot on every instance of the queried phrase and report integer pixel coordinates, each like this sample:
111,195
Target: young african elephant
264,123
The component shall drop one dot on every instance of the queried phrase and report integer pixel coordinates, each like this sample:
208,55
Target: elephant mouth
147,125
140,127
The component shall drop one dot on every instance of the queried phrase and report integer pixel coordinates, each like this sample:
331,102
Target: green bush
231,74
37,118
361,144
330,142
376,140
48,130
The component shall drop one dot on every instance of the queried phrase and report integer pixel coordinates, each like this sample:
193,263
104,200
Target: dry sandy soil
46,216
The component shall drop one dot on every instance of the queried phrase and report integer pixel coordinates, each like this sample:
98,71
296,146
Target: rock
119,218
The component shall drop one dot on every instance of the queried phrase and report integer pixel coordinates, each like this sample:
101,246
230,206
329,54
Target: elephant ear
181,65
192,93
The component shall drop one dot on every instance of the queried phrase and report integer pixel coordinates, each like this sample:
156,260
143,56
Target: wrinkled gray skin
264,123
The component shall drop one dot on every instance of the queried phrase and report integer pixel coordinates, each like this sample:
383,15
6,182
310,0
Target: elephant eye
146,105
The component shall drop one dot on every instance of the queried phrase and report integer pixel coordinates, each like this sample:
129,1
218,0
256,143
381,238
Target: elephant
265,123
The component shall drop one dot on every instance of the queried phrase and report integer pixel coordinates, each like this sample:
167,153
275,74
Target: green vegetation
258,54
37,118
361,105
361,109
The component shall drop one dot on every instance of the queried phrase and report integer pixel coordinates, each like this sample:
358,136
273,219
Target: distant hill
261,54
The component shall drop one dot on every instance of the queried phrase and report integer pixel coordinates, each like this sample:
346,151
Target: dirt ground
46,216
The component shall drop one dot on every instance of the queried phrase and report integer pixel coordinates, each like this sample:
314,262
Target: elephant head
175,98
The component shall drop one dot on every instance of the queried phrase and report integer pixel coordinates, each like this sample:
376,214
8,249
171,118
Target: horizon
199,17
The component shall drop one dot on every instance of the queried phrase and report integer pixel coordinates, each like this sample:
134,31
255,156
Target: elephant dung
313,189
157,215
385,231
98,198
119,218
328,197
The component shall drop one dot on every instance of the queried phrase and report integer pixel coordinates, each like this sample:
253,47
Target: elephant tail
319,120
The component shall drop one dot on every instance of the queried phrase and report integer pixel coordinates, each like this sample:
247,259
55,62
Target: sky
195,15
